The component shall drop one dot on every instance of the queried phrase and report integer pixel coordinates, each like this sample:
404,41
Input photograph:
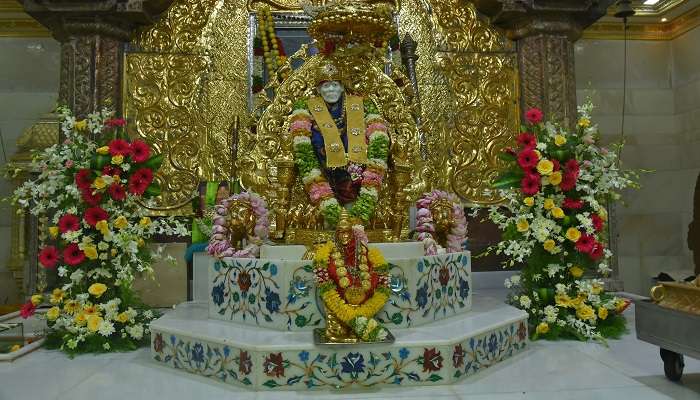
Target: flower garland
425,226
219,244
553,219
332,277
92,193
263,54
370,176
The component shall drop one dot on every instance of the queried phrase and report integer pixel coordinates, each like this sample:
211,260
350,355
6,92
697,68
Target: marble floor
627,369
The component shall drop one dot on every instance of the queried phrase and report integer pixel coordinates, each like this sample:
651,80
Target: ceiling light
664,19
650,2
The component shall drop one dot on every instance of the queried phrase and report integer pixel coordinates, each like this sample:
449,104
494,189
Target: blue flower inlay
353,364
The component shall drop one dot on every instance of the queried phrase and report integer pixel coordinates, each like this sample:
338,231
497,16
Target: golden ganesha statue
338,134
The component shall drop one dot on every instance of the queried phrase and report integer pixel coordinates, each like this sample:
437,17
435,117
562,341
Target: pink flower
300,125
69,163
376,127
534,116
114,122
27,310
372,178
572,204
319,190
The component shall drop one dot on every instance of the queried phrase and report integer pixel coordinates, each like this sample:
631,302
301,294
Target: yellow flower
146,221
53,231
116,178
542,328
548,204
584,122
576,271
522,225
141,242
15,348
122,317
99,183
80,319
57,296
37,299
80,125
121,222
557,212
103,150
562,300
573,234
539,154
322,252
113,252
545,167
103,227
585,312
118,159
529,201
97,289
53,313
596,288
555,178
550,246
71,306
376,257
602,313
93,322
559,140
620,306
90,252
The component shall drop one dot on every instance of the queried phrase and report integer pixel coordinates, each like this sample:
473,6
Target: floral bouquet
92,193
555,223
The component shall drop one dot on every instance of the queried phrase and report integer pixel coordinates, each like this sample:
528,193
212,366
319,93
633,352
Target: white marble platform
440,353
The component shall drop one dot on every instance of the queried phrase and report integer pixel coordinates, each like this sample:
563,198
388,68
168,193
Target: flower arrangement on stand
556,191
426,224
369,177
220,245
92,192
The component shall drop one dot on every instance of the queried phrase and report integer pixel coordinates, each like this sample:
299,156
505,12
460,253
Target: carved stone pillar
93,34
545,32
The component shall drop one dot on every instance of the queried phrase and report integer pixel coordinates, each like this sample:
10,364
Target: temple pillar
93,35
545,32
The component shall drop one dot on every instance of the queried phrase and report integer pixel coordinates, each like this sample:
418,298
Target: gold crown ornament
352,21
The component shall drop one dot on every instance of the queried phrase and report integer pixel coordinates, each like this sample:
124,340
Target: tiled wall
28,89
662,133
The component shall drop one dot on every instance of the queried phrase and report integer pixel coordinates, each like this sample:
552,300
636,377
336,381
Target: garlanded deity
353,282
341,148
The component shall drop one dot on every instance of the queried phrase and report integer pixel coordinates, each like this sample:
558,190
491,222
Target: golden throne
265,160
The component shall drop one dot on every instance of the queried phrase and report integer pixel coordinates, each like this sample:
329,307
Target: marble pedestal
255,327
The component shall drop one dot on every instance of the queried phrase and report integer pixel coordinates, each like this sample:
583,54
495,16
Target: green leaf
153,190
509,179
99,161
271,384
154,162
397,318
434,378
505,156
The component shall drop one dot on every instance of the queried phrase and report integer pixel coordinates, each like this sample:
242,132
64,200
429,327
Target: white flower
148,314
76,276
550,313
525,301
106,328
62,271
508,283
604,269
515,279
125,167
135,331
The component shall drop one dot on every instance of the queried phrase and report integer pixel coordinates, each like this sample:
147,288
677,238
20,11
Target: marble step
442,352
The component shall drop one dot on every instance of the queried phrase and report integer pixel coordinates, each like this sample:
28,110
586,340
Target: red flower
534,116
458,356
432,360
139,181
68,223
572,167
527,159
27,310
137,187
530,184
48,257
91,198
111,170
117,191
557,165
93,215
83,178
572,204
140,151
597,222
274,365
245,364
115,122
143,174
598,251
585,244
527,140
72,255
568,182
119,147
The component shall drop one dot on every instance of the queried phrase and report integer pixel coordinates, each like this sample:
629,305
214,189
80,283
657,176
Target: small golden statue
353,282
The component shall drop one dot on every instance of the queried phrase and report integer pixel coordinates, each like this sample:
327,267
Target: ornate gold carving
678,296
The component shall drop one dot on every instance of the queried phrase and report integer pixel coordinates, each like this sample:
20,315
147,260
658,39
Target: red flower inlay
244,281
245,364
444,276
274,365
458,356
432,360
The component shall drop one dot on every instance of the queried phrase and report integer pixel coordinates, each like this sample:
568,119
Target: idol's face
331,91
343,237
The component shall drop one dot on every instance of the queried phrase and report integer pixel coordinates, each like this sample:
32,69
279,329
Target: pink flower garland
425,226
221,247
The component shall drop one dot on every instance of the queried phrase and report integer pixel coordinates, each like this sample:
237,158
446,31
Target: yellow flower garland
346,312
